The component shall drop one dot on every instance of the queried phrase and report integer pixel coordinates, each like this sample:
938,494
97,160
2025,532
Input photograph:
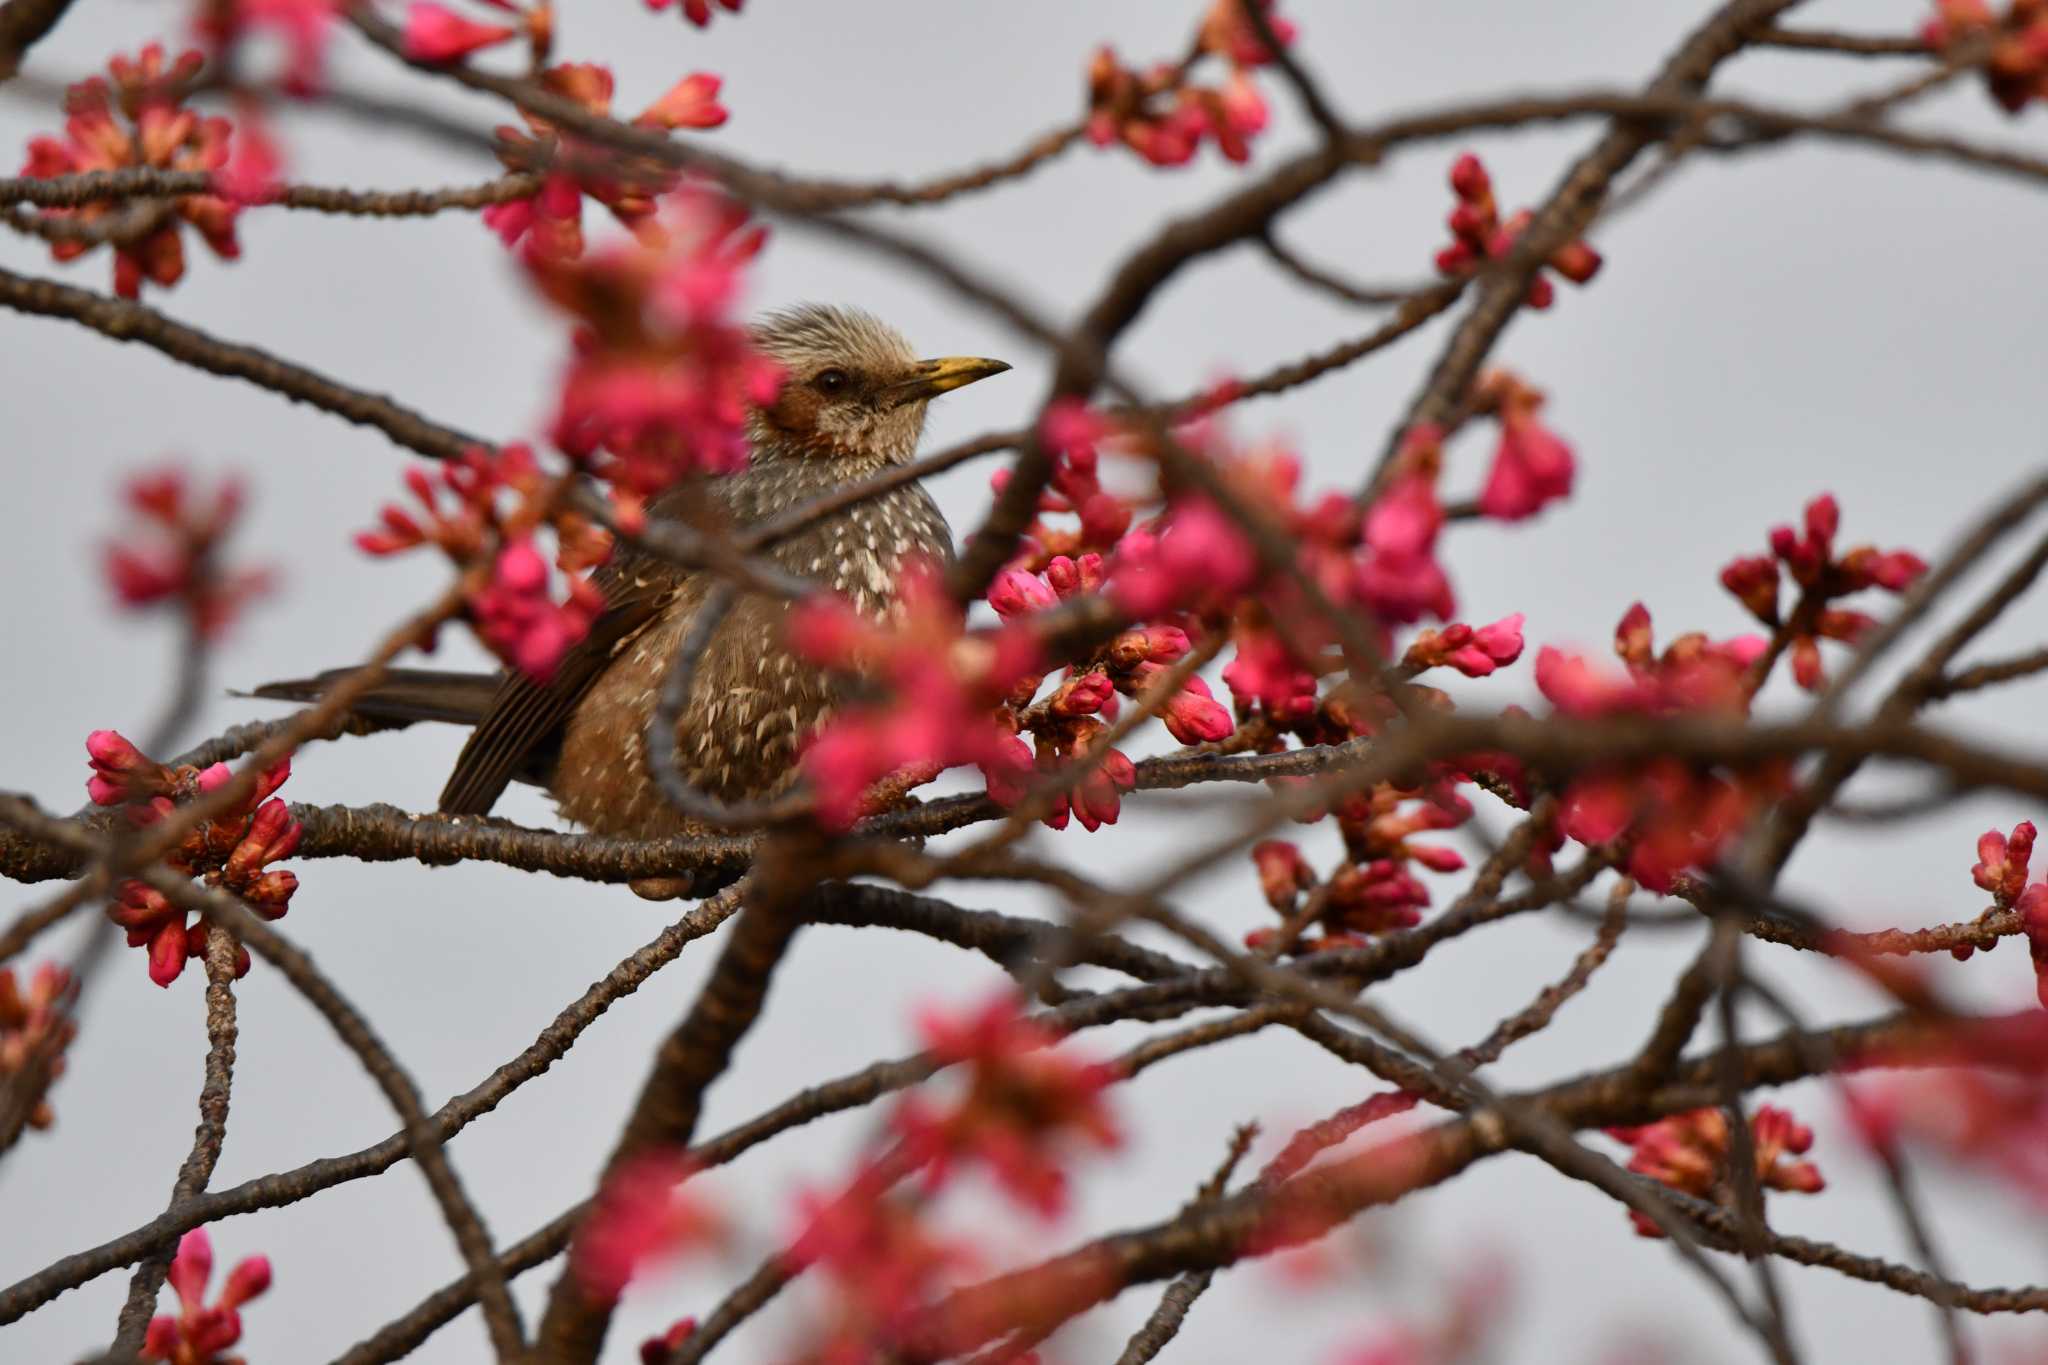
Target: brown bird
853,403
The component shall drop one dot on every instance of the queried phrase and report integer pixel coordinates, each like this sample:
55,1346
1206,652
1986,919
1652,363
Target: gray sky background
1768,327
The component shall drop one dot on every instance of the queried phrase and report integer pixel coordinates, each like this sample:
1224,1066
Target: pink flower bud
1576,261
1436,857
1468,177
1823,520
1082,696
249,1278
167,953
436,34
121,772
1283,872
192,1267
1754,581
1008,769
1455,259
1194,716
1018,592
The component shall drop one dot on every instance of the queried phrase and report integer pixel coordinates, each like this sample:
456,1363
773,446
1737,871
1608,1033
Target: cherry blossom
1807,555
170,552
137,122
1027,1102
1478,235
1690,1153
664,373
2016,69
202,1331
944,684
550,222
483,511
1531,465
645,1212
232,851
35,1029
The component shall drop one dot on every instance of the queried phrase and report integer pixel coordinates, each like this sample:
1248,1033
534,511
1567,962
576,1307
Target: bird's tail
401,697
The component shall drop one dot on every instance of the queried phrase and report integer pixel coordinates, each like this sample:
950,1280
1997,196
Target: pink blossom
137,124
521,622
201,1331
1531,467
169,554
1283,873
643,1212
1194,716
36,1026
1265,672
1201,553
664,375
1026,1102
1478,235
436,34
2002,863
1808,556
1230,35
1398,575
691,102
254,173
1475,652
884,1263
1018,592
121,772
943,683
1690,1153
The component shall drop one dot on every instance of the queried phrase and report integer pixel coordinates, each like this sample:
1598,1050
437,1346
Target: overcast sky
1770,326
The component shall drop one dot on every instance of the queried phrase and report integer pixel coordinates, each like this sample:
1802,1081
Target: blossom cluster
1163,116
647,1210
2016,67
945,685
1026,1101
35,1029
1690,1153
138,121
1375,889
485,511
1479,235
1808,557
1024,1107
2001,869
201,1331
663,372
170,552
550,222
1187,573
232,851
1978,1096
1675,815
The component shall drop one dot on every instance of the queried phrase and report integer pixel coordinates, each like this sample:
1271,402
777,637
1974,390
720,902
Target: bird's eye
830,381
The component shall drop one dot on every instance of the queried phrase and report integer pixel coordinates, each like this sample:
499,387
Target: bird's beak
930,378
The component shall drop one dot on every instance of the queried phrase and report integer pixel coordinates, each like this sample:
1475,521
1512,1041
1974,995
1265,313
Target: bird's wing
525,717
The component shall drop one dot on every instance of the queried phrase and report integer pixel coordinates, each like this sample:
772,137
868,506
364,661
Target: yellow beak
930,378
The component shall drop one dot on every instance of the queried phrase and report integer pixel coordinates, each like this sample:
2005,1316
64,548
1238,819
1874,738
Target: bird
852,403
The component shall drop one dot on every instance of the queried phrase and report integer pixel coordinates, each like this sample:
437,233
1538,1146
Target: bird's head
852,386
